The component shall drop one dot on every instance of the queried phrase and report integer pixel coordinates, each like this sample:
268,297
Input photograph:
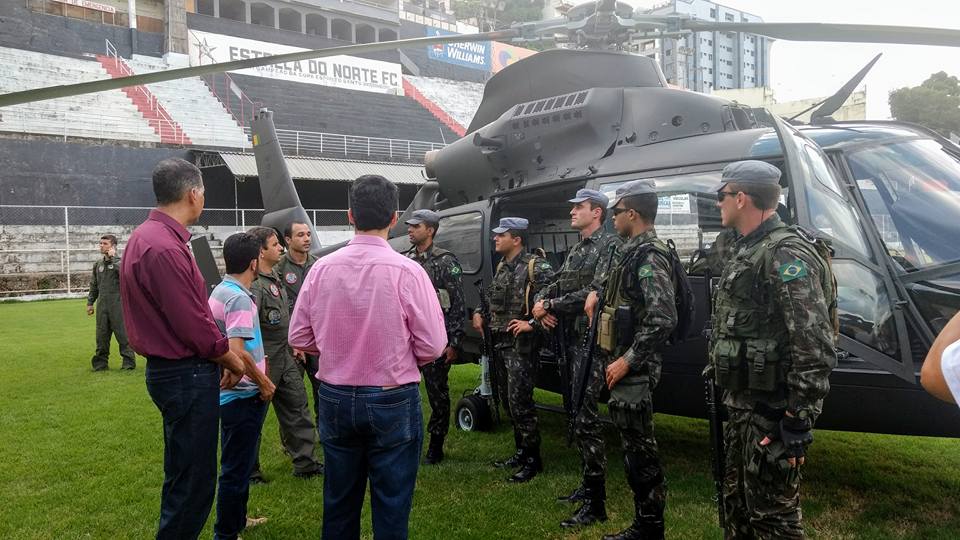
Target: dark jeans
369,432
240,424
187,392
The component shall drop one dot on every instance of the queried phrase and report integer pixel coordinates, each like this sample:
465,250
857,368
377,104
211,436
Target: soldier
446,275
716,254
638,316
772,351
292,268
519,278
297,433
105,287
564,300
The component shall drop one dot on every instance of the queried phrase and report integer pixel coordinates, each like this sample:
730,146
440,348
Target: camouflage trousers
438,393
587,428
521,371
761,491
641,459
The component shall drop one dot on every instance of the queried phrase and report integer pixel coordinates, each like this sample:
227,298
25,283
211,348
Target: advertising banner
472,55
503,55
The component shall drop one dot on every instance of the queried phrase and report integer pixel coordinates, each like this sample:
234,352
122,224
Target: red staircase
441,115
162,123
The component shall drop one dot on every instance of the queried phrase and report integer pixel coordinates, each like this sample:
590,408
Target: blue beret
514,223
750,171
635,187
423,216
590,195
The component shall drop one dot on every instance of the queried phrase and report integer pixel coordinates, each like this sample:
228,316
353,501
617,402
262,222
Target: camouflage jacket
447,277
716,254
292,275
587,261
772,318
105,283
507,291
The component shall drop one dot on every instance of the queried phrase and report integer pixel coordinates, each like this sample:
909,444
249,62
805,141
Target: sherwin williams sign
475,55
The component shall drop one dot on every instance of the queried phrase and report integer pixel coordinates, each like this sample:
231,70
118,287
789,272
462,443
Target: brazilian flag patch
793,270
646,271
455,270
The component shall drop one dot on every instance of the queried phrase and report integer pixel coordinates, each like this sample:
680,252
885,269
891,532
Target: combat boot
513,461
434,451
575,496
530,465
649,499
593,507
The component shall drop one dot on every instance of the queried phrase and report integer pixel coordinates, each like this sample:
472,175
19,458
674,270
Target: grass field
81,456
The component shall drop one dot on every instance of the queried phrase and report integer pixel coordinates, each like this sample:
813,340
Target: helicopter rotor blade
837,100
67,90
846,33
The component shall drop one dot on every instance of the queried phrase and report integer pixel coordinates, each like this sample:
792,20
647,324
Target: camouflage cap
511,223
750,171
423,216
590,195
635,187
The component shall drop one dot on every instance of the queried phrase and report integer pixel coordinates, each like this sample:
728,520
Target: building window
728,17
713,13
668,53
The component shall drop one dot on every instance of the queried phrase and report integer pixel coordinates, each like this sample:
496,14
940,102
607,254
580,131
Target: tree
498,13
934,104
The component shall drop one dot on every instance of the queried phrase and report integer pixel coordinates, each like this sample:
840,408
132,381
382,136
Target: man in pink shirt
373,318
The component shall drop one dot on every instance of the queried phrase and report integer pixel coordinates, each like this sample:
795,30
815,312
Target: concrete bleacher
191,104
459,99
103,115
311,107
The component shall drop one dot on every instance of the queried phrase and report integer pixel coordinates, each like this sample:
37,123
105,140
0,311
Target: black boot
434,451
593,507
513,461
649,498
530,465
575,496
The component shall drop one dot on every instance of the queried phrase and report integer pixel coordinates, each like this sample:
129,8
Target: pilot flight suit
105,291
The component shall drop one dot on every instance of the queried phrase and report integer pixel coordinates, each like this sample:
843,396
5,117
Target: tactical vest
749,348
510,292
570,280
435,270
622,279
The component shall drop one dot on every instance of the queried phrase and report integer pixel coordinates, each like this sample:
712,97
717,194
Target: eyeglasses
721,195
618,211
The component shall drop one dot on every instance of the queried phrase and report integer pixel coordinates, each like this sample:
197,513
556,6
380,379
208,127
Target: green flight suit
105,292
292,275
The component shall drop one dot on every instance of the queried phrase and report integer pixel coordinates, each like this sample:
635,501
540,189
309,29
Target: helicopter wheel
473,414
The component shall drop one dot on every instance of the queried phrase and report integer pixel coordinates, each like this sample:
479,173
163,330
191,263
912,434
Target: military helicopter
597,117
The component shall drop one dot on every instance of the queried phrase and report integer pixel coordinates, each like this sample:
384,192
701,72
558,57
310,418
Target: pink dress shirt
371,314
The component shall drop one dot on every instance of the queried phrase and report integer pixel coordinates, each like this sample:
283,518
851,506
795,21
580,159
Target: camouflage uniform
507,302
586,262
105,291
292,275
446,275
640,281
716,254
297,433
772,351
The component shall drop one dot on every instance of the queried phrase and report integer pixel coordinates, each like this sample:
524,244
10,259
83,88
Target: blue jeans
369,433
187,392
240,424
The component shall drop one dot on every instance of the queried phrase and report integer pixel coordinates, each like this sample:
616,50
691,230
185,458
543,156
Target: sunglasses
721,195
618,211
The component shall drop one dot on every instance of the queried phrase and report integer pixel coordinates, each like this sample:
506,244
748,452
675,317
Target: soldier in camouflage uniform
519,278
446,275
559,307
716,254
638,316
292,268
297,432
772,351
105,291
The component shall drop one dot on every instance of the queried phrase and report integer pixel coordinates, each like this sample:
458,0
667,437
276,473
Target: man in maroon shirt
164,298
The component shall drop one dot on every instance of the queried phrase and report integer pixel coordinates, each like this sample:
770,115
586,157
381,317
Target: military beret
750,171
514,223
590,195
635,187
423,216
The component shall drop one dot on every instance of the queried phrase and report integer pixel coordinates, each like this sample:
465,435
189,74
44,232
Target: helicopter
595,116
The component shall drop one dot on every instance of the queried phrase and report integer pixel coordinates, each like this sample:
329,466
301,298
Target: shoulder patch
792,270
645,271
455,270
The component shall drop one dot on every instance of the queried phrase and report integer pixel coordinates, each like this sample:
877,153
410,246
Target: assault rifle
563,364
489,379
582,378
714,396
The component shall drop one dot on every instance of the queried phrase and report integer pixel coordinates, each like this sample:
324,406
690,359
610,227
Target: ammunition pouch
746,364
631,392
606,337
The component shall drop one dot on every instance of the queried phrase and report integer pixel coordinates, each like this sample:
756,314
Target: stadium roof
344,170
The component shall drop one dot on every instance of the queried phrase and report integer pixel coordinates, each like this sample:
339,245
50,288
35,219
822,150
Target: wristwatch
547,305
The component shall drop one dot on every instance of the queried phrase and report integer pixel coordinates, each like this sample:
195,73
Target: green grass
81,456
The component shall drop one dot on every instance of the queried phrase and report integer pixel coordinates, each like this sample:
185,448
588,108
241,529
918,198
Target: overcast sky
810,69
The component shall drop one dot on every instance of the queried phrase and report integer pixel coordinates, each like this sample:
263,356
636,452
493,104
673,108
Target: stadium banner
503,55
475,55
89,5
349,72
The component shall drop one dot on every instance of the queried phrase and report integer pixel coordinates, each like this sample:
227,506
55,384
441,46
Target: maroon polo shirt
164,299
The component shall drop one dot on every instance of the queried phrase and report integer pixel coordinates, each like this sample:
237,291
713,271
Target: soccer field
82,458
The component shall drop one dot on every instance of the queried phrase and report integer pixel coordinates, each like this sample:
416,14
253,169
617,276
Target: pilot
771,351
446,275
105,291
559,306
638,316
519,277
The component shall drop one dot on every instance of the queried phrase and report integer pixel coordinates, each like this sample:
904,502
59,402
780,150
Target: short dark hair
434,226
644,204
764,196
523,235
373,202
288,230
603,209
262,234
238,250
172,178
112,238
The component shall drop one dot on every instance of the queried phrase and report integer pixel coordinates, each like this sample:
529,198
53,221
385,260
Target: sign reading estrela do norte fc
342,71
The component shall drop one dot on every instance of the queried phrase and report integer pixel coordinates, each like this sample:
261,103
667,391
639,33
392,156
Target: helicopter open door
871,304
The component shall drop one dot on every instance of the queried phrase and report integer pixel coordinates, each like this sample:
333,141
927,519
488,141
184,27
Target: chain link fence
51,250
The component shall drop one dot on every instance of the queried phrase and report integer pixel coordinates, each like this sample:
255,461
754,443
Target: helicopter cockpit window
463,235
829,212
912,191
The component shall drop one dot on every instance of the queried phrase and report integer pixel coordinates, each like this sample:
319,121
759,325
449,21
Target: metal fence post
66,238
243,220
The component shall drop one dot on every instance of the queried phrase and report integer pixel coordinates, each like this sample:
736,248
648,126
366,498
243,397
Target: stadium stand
459,99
